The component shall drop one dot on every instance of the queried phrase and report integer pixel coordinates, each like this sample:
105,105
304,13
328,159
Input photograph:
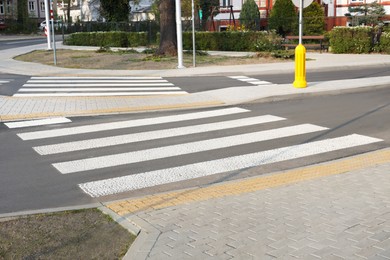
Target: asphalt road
197,84
36,178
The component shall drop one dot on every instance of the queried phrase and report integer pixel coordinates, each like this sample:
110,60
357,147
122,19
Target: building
228,14
334,11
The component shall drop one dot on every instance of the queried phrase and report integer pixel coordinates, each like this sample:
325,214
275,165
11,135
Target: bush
384,45
232,41
250,15
268,41
109,39
351,39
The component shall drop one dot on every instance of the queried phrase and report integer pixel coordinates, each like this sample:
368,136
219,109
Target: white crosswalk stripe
38,122
97,86
3,82
252,81
247,132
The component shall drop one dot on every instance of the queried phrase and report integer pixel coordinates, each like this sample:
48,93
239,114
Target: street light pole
193,34
179,35
47,28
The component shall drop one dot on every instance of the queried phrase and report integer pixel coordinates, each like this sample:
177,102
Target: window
1,7
263,3
31,6
8,6
42,6
226,3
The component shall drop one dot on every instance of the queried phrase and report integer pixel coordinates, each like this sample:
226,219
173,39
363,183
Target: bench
320,45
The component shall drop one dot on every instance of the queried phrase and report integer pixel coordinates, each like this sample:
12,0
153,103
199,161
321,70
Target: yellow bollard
300,67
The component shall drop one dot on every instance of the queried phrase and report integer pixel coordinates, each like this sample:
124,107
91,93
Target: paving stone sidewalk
344,216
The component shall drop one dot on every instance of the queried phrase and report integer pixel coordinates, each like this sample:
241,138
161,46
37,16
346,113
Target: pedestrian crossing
71,149
252,81
3,82
97,86
38,122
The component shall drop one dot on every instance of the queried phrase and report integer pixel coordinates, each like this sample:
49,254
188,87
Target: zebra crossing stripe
38,122
251,80
164,176
100,85
3,81
181,149
95,78
59,81
129,123
93,94
152,135
95,89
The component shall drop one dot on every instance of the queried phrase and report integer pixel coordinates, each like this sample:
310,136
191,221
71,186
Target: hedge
231,40
384,45
351,39
108,39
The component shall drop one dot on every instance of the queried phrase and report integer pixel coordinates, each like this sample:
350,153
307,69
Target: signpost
300,50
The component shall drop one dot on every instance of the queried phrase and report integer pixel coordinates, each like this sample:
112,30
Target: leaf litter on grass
79,234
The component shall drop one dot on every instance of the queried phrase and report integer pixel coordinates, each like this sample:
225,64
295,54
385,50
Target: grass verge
79,234
132,60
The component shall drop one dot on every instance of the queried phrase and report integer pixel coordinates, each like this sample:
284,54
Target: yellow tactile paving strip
14,117
164,200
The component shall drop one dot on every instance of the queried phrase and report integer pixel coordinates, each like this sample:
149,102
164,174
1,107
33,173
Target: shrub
109,39
268,41
250,15
384,44
232,41
351,39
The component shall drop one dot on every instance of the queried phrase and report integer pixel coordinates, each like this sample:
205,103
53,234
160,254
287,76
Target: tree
115,10
250,15
24,21
313,20
168,41
366,13
282,17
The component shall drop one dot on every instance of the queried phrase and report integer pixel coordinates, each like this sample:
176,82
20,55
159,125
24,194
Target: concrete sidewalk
334,210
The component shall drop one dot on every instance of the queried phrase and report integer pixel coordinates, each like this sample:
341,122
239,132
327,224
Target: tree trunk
68,14
168,41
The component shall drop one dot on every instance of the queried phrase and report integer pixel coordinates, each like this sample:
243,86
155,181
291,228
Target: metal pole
300,56
48,34
52,28
179,35
193,35
300,20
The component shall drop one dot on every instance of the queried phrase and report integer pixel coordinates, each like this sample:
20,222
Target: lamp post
48,29
179,35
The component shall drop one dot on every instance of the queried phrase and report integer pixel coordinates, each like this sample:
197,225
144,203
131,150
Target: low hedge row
108,39
233,41
360,39
384,44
